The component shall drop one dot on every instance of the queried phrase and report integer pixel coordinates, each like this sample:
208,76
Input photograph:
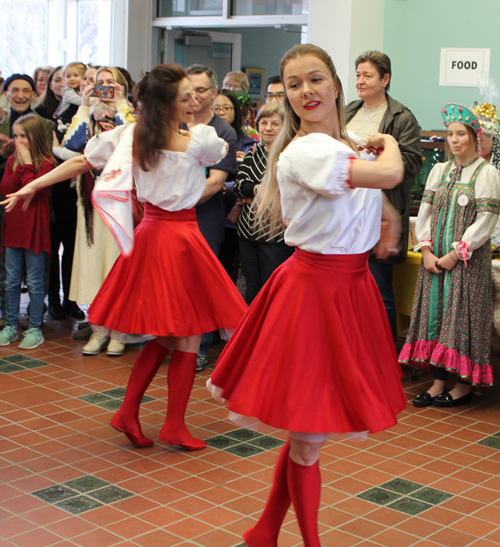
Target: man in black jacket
376,112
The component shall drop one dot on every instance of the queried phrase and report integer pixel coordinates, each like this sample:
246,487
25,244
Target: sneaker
8,335
115,348
32,339
201,362
95,344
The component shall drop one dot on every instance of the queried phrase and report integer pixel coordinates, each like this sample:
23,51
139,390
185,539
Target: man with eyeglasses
275,90
210,208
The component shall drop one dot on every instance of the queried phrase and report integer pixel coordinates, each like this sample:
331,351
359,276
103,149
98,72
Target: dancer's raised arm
67,170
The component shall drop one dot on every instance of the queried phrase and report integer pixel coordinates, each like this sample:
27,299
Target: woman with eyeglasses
227,107
259,255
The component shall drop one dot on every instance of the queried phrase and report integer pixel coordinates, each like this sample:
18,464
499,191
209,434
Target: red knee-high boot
265,532
304,485
144,370
180,379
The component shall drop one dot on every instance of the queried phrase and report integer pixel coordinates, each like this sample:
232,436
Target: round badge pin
463,200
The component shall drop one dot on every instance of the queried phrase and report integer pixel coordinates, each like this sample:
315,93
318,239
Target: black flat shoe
72,310
56,311
424,399
445,400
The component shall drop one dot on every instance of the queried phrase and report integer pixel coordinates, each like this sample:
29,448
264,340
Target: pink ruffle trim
424,355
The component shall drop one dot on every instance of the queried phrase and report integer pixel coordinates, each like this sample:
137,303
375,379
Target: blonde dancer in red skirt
167,284
314,354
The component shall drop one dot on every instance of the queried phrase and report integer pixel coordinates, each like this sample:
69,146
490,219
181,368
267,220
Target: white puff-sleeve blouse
322,212
175,183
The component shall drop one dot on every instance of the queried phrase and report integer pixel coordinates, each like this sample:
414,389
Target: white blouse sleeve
423,224
320,163
206,146
99,148
487,192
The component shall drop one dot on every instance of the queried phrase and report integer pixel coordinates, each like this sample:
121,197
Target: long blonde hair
268,214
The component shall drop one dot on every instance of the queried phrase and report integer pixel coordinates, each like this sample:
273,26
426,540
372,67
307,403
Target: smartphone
103,92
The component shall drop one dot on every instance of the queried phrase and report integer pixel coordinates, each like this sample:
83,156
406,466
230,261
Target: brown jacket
399,122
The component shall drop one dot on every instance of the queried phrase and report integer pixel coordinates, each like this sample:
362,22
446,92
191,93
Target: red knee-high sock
180,379
304,485
265,532
144,370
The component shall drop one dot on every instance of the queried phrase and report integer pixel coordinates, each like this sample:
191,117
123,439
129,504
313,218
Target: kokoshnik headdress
486,112
458,113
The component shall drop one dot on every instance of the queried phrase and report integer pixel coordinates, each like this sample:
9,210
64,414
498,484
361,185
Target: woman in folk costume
314,353
487,115
450,327
167,283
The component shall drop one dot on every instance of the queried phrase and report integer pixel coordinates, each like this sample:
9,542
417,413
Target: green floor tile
86,484
54,494
267,443
79,505
116,392
243,435
409,506
378,496
401,486
431,495
244,450
110,494
221,442
33,363
8,368
95,398
147,399
491,442
111,404
16,358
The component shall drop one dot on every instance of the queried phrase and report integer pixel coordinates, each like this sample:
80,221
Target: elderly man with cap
19,90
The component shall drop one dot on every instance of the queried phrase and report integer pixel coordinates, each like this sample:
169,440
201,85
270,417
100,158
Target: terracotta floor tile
442,516
489,514
218,538
130,528
419,527
218,517
162,516
246,505
37,538
157,538
475,527
452,538
97,538
45,515
105,515
394,538
362,528
14,526
189,528
386,516
70,527
337,538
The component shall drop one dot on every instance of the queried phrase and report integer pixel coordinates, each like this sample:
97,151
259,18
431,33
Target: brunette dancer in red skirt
314,353
167,284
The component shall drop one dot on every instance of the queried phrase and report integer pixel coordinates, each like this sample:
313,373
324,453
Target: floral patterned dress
451,316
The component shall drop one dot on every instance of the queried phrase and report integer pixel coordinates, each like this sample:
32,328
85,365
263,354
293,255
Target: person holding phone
95,248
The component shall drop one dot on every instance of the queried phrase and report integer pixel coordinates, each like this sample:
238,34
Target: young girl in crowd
450,326
26,236
167,283
73,75
314,353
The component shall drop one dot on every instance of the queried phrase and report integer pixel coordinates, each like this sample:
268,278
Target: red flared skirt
314,352
171,285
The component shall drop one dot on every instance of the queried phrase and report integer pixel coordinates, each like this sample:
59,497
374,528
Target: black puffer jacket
399,122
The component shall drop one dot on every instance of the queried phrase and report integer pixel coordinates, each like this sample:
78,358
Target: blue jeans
2,266
382,273
206,339
17,263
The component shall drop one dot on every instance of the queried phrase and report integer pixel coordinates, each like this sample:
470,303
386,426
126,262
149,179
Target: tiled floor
67,478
